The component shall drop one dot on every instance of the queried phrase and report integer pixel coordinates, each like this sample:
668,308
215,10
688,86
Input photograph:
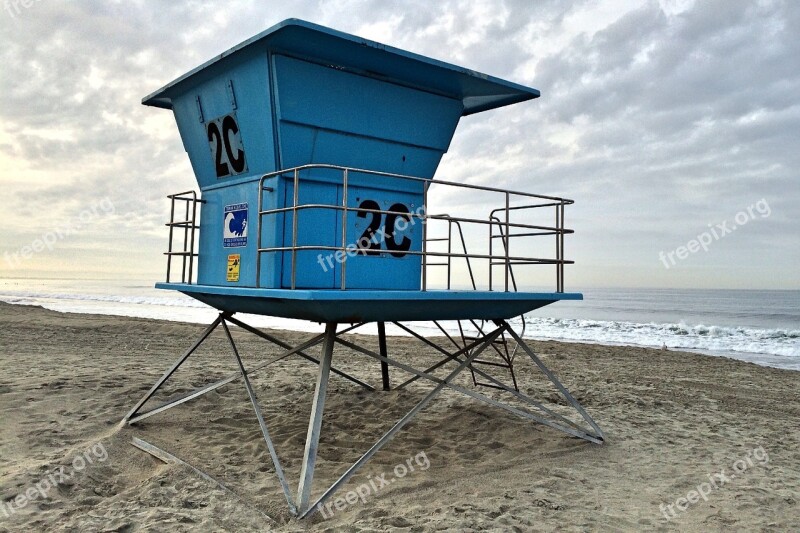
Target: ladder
503,350
187,212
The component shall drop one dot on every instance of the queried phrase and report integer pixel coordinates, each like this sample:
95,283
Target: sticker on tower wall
234,226
234,262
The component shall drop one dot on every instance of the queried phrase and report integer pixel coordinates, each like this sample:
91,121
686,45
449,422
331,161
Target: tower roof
477,91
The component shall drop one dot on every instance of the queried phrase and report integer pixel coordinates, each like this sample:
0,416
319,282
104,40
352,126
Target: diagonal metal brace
402,422
282,344
552,377
262,423
173,368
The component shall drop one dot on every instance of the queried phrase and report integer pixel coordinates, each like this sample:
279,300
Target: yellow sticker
233,267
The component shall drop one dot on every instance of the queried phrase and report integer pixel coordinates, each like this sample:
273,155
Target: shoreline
672,419
761,359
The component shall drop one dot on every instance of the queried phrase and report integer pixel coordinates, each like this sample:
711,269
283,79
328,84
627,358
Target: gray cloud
656,123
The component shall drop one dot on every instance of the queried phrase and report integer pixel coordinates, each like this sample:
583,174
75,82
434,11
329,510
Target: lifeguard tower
315,153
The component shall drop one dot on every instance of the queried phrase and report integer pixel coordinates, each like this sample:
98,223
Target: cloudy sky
661,119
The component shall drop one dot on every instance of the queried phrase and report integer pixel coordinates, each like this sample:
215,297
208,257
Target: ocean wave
778,342
35,297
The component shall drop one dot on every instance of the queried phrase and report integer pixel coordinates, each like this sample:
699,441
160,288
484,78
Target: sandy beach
695,443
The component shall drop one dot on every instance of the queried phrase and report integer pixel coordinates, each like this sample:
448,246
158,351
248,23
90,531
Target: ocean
762,327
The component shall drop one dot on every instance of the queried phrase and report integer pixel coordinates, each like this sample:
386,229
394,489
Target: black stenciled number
228,126
215,137
366,243
405,244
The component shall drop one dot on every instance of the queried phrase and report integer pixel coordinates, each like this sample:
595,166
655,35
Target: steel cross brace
597,437
562,424
133,416
463,357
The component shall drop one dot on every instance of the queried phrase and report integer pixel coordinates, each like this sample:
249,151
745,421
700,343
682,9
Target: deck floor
347,306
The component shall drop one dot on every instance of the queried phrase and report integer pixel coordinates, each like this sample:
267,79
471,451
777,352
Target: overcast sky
661,119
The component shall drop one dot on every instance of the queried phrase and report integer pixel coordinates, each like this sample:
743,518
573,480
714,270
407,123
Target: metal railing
451,222
499,219
189,225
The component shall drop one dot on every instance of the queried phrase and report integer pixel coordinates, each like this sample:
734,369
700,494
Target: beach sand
674,421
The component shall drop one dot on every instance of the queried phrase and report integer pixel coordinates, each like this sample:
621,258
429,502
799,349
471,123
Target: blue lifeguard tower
315,153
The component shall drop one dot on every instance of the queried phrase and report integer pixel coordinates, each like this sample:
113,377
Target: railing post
294,227
185,242
507,239
449,249
491,250
344,230
425,236
169,246
191,247
561,252
258,230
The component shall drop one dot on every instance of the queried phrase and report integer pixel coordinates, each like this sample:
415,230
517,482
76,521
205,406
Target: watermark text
715,233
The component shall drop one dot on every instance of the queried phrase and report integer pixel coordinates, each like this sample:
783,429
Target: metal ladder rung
183,223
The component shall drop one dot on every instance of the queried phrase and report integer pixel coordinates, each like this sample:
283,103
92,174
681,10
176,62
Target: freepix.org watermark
15,7
757,456
366,243
41,489
48,240
374,484
715,233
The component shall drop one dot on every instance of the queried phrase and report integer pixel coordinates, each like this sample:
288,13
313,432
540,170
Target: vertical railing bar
558,247
425,236
491,249
561,249
344,230
449,249
258,230
294,227
192,232
506,239
185,242
171,228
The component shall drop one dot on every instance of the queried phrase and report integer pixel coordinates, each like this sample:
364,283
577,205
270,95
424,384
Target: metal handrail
189,225
450,222
523,229
352,170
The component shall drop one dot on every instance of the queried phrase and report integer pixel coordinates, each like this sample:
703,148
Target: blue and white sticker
234,230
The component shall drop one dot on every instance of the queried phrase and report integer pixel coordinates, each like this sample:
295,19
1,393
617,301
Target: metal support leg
315,421
401,423
384,353
174,367
261,423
